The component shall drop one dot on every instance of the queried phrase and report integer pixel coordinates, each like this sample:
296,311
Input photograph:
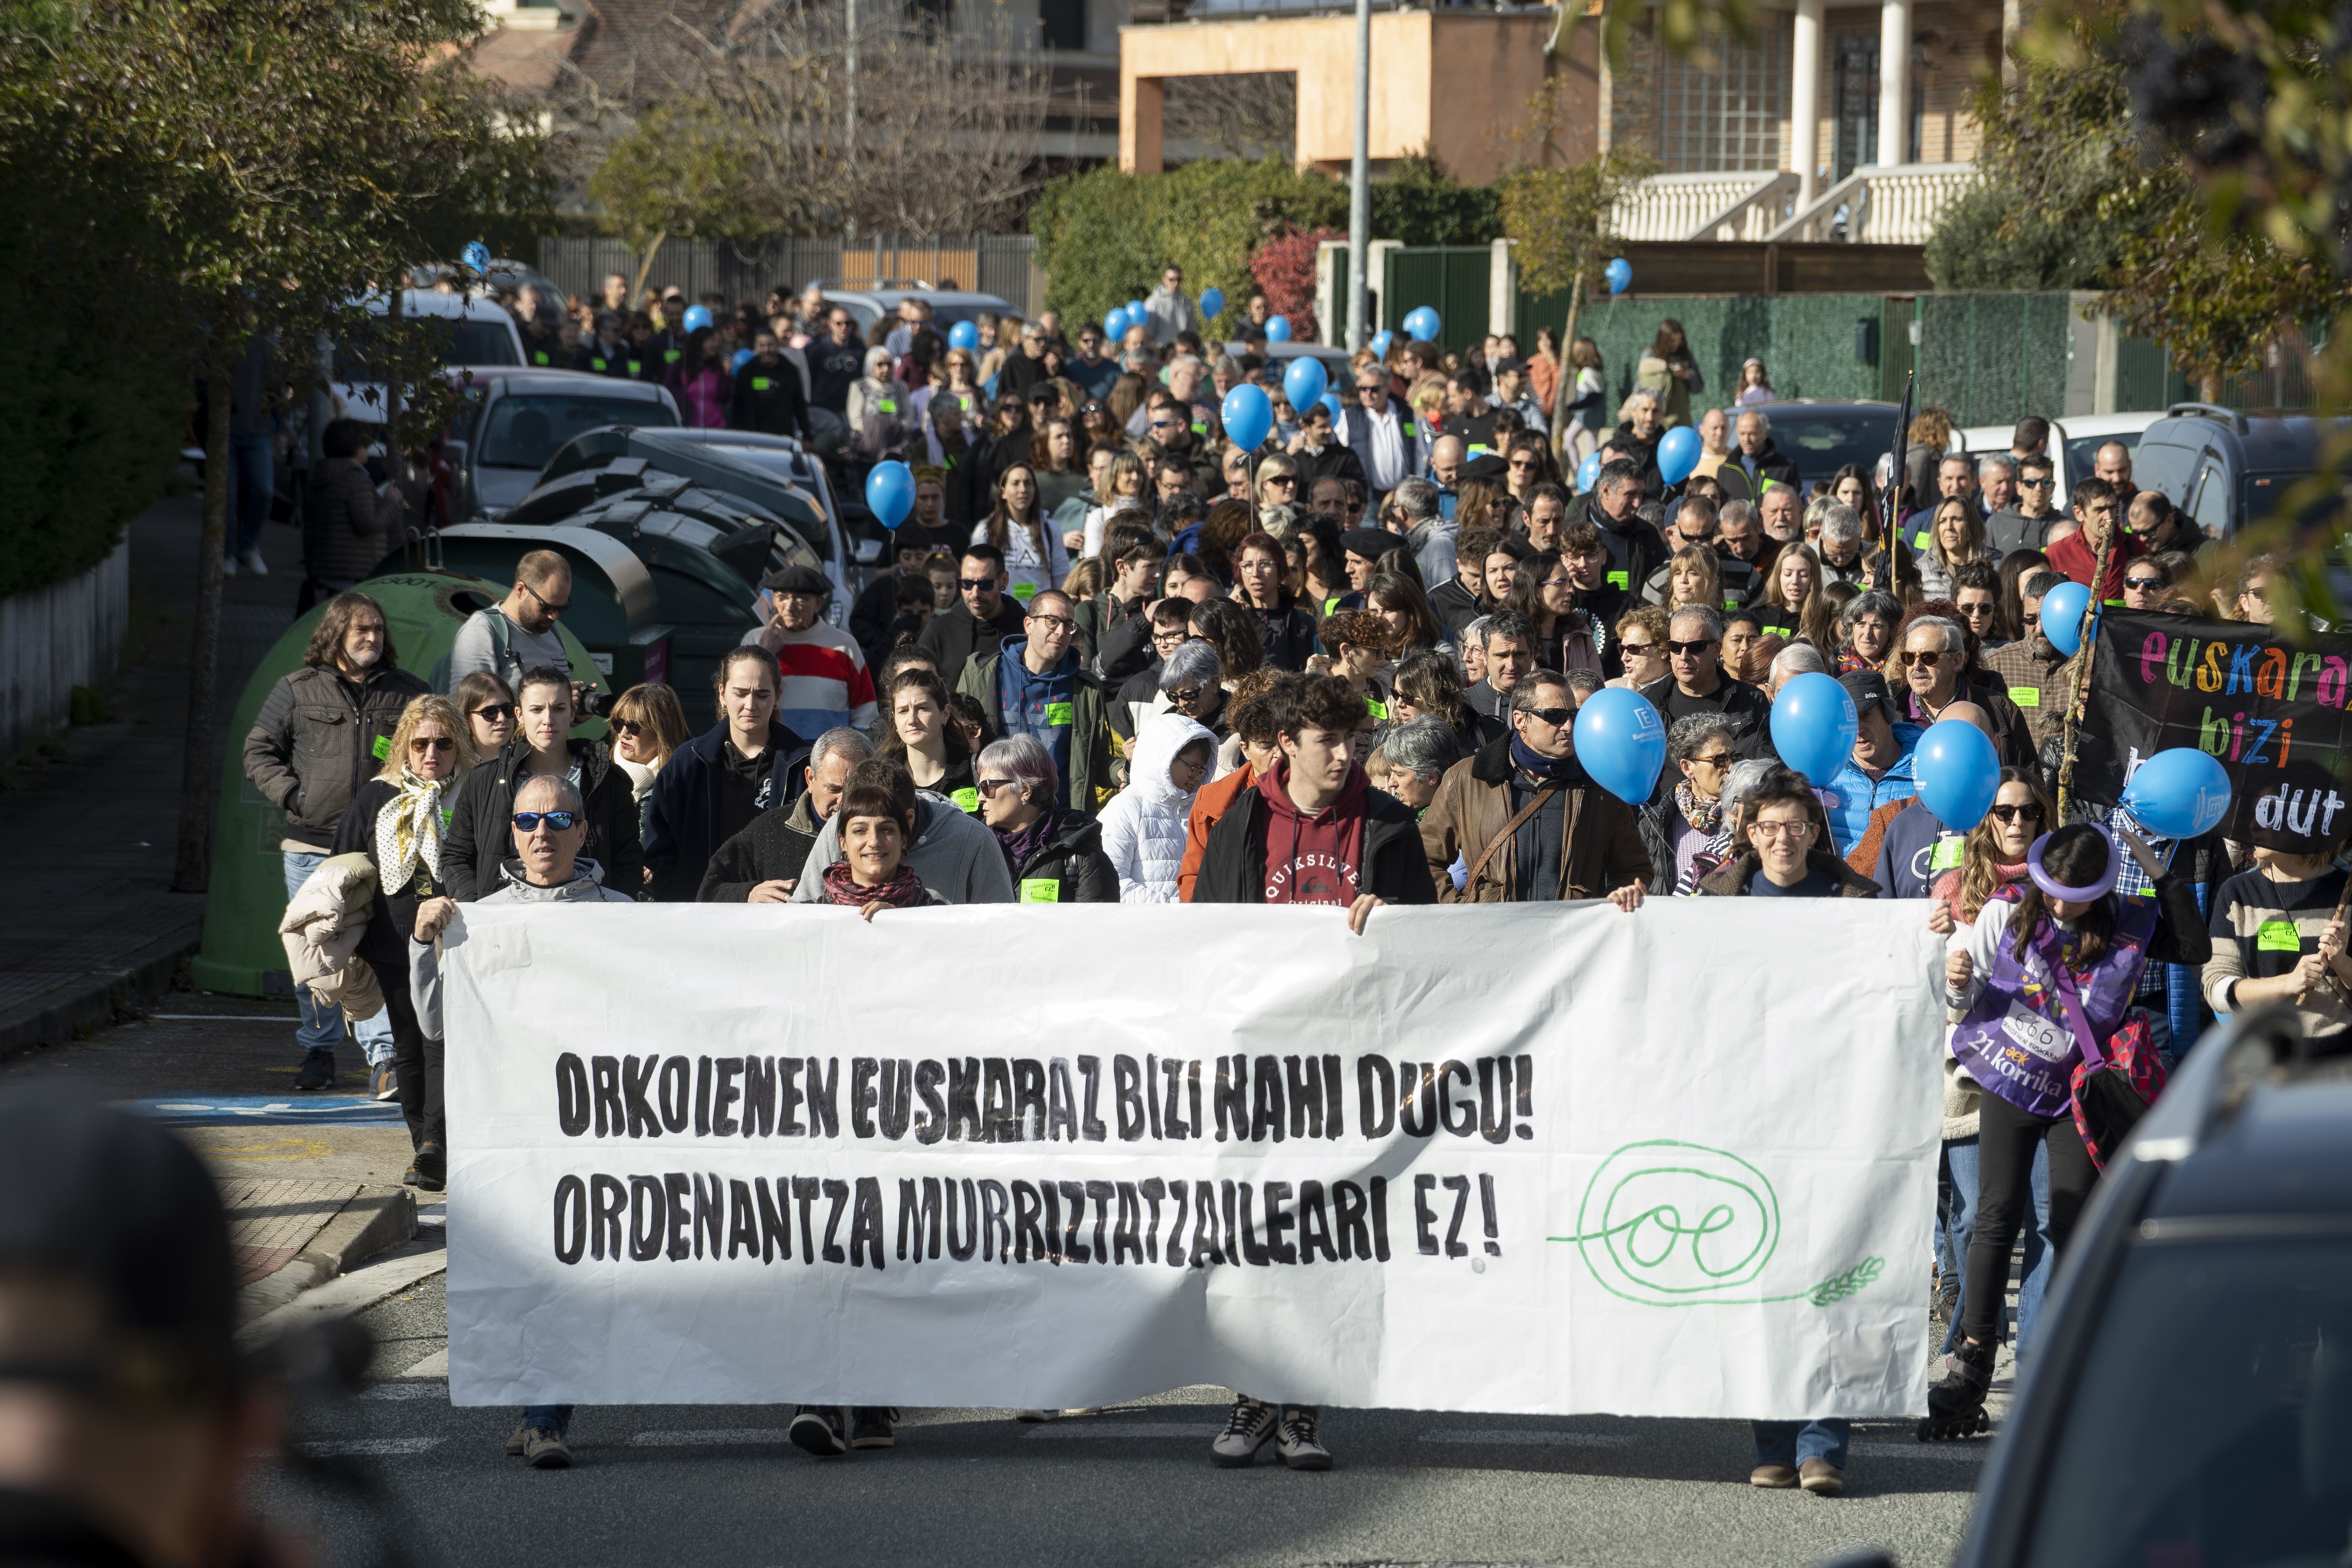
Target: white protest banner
1546,1159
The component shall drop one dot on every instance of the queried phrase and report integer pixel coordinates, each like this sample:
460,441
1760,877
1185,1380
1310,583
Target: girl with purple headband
2043,981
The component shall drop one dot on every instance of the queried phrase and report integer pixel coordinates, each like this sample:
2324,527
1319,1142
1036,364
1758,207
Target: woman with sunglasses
488,709
1526,463
649,725
2043,979
1678,824
395,820
2148,582
1054,853
925,741
1641,644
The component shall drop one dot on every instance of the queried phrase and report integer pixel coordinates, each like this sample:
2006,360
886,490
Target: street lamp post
1359,180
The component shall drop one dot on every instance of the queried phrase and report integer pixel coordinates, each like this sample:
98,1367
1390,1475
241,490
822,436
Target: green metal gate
1450,279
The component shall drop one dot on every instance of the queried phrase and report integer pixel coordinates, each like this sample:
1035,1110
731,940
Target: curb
376,1220
92,999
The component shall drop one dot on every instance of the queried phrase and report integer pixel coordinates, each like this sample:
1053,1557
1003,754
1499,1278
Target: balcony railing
1737,206
1891,205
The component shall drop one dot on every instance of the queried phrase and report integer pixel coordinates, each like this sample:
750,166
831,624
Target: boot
1956,1402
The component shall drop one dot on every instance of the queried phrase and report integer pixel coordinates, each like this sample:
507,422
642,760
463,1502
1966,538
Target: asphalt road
694,1485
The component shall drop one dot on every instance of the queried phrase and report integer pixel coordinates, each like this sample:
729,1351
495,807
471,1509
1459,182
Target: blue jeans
555,1418
321,1028
252,482
1960,1222
1791,1443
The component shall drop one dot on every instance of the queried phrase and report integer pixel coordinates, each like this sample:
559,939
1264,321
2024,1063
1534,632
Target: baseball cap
797,580
1868,690
113,1203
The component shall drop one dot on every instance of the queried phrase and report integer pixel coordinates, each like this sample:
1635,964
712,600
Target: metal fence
1003,265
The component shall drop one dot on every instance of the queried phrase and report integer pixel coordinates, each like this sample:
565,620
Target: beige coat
324,921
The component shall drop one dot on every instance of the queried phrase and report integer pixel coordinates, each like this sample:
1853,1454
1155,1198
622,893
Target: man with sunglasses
980,620
1036,685
2155,523
1382,437
2146,585
1932,659
2036,677
518,632
1525,822
2025,524
1695,682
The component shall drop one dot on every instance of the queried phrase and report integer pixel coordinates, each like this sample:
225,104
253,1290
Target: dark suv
2226,469
2191,1402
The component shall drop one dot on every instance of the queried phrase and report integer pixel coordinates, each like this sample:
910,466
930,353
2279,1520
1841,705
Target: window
1857,105
1728,118
525,432
2211,507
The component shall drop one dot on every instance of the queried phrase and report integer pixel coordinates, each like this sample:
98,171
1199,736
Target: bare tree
902,127
1250,115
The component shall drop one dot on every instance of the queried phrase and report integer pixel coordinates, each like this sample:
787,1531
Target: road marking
365,1448
1970,1452
710,1438
1522,1437
435,1365
1081,1426
236,1109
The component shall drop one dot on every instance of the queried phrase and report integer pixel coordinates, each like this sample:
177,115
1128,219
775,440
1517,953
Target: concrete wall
53,640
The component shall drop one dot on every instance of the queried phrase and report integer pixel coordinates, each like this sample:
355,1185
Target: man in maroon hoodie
1315,831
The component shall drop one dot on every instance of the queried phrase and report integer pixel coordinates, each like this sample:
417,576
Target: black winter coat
772,849
1286,632
682,819
1232,866
1070,867
480,835
955,635
1746,713
393,916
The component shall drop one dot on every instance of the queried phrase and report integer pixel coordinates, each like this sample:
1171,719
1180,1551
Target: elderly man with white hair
1755,464
1845,558
1933,660
1418,752
1797,658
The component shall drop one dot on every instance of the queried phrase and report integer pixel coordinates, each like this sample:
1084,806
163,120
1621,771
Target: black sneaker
869,1426
317,1070
817,1430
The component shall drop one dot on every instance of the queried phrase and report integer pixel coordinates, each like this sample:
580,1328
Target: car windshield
1821,443
2083,451
2212,1421
524,432
470,343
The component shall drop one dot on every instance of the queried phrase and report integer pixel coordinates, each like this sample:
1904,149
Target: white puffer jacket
1143,825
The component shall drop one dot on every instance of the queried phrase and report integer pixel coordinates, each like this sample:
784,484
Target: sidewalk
92,925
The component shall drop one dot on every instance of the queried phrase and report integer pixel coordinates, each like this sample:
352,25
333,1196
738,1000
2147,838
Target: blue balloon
1248,415
2179,793
1421,324
1958,770
1304,382
1588,472
2061,616
697,318
1277,328
1621,743
743,357
1115,323
1213,302
890,493
1814,726
1618,274
1677,454
1135,310
478,256
1331,402
963,335
1381,342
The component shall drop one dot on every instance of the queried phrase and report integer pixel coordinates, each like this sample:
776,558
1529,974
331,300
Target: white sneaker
228,565
1246,1431
254,565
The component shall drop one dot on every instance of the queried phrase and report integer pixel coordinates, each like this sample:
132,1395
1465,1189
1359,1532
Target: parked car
515,420
949,306
2189,1396
2225,469
1279,355
2074,443
481,334
1822,437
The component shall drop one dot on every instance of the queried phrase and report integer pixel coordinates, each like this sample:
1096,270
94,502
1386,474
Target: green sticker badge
2277,936
1378,710
1060,715
967,800
2026,696
1025,592
762,383
1620,579
1946,855
1040,890
382,747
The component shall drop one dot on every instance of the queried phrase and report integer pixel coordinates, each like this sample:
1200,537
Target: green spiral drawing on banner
1669,1224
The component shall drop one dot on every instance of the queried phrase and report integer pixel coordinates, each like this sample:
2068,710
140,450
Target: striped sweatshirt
826,683
2261,930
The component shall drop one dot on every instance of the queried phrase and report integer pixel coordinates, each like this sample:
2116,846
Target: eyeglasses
1166,424
1185,696
1718,758
1555,717
1289,481
1974,612
2146,584
1055,623
2029,811
974,585
1930,659
550,609
1684,649
1782,830
561,821
988,787
1558,582
431,743
496,712
1523,461
1635,649
2042,483
628,727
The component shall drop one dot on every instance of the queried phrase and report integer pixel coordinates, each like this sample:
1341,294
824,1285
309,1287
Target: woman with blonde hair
1122,492
649,725
1694,577
1278,481
1955,537
395,821
1793,604
1641,644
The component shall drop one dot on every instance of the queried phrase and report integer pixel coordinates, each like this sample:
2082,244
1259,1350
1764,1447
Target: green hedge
90,420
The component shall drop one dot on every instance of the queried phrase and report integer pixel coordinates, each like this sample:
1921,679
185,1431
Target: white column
1805,101
1893,81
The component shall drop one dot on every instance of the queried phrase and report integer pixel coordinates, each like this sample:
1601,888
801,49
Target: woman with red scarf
876,828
